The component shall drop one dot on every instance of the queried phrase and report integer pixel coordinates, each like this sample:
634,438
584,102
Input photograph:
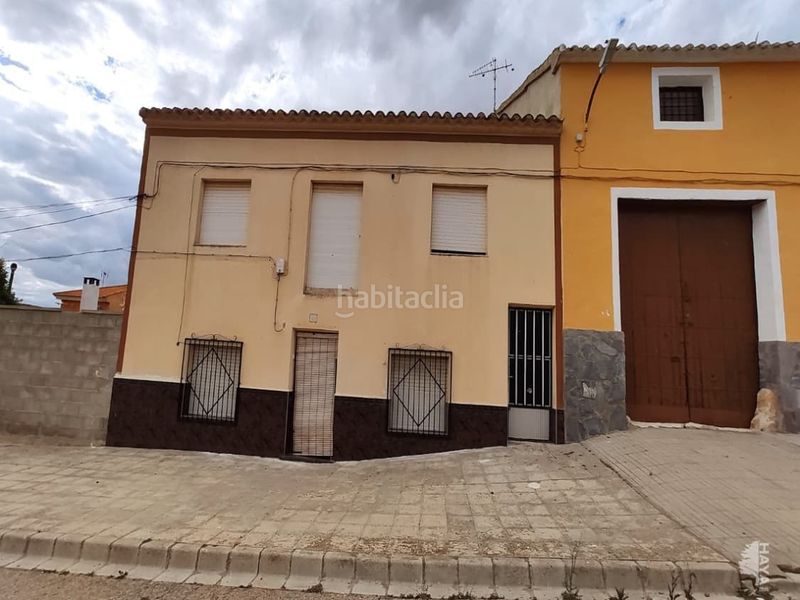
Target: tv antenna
492,67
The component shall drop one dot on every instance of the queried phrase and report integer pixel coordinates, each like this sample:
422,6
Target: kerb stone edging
512,578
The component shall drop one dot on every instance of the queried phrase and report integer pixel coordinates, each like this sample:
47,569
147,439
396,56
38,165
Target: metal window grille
681,103
419,391
530,357
211,376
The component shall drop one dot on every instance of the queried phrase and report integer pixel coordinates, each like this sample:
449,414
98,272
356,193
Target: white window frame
705,77
766,249
311,286
455,251
200,239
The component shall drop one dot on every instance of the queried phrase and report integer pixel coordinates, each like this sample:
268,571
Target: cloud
74,74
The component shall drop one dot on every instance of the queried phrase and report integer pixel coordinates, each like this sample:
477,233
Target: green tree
6,295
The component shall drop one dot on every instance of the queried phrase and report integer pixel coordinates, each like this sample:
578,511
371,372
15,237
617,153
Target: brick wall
56,371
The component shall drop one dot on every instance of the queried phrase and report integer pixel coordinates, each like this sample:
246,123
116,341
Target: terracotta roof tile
346,115
351,124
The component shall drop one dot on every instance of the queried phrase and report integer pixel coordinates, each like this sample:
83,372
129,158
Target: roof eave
357,125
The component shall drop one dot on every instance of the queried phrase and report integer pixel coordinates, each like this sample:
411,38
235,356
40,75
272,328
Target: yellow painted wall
760,125
172,300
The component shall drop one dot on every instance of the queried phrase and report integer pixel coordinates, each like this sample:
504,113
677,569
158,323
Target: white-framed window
223,213
687,98
334,237
458,220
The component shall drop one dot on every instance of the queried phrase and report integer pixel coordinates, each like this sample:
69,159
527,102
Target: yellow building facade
680,198
339,285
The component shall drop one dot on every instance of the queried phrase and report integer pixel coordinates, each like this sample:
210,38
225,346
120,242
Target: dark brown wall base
144,414
359,430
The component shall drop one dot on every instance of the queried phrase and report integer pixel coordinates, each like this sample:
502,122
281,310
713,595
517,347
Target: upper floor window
334,237
458,220
223,213
687,98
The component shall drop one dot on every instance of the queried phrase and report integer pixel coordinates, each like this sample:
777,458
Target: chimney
90,295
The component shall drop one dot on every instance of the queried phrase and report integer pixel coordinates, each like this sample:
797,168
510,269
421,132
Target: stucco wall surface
175,296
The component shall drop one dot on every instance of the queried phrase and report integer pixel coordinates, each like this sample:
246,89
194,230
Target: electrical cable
490,172
682,171
128,197
59,210
105,212
57,256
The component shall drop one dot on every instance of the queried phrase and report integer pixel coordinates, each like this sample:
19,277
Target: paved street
525,500
729,488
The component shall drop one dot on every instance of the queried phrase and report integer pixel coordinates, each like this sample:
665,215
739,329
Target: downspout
558,434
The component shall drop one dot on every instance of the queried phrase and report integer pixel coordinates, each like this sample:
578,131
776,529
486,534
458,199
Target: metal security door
530,382
687,288
314,390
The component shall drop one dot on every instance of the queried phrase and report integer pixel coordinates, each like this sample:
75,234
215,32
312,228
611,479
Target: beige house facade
341,285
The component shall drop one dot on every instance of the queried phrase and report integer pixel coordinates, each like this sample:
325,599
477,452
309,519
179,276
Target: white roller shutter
334,239
458,220
223,218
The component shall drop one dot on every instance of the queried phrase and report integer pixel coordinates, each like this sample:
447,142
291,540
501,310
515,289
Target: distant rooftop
105,292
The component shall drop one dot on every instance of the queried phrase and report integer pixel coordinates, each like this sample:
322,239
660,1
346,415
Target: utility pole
492,67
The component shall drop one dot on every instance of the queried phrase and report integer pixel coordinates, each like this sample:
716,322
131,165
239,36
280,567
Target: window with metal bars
210,382
681,103
530,357
419,391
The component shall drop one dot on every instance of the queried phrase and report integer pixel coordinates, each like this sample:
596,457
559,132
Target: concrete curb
512,578
66,552
181,562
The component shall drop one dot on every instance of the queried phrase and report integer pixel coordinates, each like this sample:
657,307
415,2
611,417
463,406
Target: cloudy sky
73,75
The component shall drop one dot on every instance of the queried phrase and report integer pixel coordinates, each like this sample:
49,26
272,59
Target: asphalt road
33,585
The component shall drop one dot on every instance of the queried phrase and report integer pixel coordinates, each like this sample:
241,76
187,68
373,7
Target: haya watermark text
754,563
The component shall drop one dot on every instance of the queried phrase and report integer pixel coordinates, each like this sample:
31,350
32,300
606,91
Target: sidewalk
531,500
729,488
465,522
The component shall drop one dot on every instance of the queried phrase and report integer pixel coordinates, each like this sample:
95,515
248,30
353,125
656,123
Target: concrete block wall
56,371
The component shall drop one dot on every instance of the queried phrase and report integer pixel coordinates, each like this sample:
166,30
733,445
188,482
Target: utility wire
97,214
59,210
154,252
56,256
96,200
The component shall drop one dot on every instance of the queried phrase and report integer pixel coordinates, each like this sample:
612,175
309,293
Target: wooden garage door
314,390
687,290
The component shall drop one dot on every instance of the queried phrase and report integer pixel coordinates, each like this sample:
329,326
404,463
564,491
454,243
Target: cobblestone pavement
530,500
729,488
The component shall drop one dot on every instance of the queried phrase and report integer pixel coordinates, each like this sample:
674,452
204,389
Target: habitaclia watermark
396,298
